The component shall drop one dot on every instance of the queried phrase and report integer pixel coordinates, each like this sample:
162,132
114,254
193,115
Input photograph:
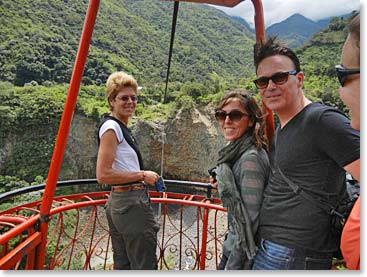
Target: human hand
150,177
213,182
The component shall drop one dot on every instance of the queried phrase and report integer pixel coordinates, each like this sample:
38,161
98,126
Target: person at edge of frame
348,73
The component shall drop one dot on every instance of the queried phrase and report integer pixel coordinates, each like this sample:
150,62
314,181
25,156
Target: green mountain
297,29
294,30
39,40
318,57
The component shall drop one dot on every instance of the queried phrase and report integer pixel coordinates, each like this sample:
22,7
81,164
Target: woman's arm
107,175
254,170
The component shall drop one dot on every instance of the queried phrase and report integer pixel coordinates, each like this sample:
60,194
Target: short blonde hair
116,82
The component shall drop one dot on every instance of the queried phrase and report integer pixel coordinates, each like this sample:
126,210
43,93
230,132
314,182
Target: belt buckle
127,188
136,187
132,187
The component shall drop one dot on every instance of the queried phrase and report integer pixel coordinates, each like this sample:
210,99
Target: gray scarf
230,194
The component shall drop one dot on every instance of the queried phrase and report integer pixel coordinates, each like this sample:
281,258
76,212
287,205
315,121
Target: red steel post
261,36
204,238
64,128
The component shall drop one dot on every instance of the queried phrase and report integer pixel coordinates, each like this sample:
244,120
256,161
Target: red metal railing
191,234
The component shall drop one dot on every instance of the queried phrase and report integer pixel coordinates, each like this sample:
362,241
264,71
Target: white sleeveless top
126,158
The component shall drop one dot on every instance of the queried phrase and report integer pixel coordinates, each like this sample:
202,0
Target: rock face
23,150
190,146
81,150
191,143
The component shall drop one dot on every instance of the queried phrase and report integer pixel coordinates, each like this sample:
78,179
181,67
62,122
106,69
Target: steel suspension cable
173,31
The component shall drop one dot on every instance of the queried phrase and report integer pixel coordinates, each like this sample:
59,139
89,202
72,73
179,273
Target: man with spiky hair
313,146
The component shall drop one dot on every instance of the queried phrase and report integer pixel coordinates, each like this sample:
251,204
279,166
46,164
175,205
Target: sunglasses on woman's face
126,98
278,78
234,116
342,73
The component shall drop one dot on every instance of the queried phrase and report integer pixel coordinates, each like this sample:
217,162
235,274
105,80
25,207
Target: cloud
278,10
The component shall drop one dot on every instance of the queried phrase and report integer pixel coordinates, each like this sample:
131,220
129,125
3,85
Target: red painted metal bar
12,219
24,249
14,260
259,20
261,36
204,237
65,124
17,230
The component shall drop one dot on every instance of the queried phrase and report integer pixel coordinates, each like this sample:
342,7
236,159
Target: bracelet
143,175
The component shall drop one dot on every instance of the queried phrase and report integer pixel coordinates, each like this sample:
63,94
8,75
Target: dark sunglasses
233,115
342,73
126,98
278,78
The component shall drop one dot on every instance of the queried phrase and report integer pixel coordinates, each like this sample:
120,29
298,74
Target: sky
278,10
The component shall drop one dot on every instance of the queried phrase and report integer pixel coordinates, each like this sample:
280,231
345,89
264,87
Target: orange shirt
350,240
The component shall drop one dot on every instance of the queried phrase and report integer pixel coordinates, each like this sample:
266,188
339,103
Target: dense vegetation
39,39
318,57
212,53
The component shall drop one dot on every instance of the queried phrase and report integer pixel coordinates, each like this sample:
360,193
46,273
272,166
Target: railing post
64,128
204,237
261,36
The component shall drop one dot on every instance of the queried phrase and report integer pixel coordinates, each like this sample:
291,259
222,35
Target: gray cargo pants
133,230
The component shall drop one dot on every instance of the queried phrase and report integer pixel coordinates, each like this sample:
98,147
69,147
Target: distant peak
298,16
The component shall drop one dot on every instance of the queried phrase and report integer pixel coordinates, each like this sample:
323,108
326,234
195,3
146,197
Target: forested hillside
39,38
318,56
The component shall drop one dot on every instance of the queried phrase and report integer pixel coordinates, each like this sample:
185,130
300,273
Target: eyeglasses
342,73
126,98
234,116
278,78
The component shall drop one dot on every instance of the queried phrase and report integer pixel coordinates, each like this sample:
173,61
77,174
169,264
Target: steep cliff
190,144
81,149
